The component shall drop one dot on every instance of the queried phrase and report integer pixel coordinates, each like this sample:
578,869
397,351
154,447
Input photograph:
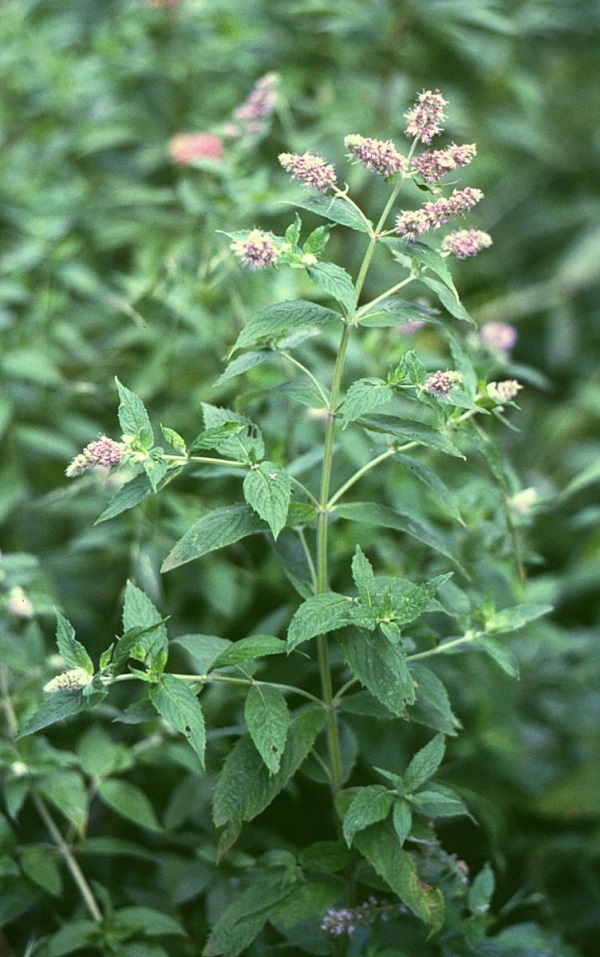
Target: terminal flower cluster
342,921
425,117
73,680
466,242
259,104
312,170
416,222
434,165
440,382
257,250
504,391
498,335
102,452
378,156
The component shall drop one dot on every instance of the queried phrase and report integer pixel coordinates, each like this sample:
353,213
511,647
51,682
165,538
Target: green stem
358,475
71,862
308,373
442,649
384,295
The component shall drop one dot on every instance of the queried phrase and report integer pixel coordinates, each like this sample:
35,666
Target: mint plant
376,606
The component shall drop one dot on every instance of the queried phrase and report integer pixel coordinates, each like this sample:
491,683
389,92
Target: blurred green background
111,263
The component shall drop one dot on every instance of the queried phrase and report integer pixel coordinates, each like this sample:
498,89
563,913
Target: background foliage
111,263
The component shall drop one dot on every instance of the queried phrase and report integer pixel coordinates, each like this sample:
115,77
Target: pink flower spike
257,250
425,116
312,170
498,335
466,242
102,452
434,165
378,156
259,104
187,147
440,382
504,391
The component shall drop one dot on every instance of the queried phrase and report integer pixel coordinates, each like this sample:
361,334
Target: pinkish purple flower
425,116
187,147
312,170
466,242
257,250
440,382
259,104
498,335
436,164
339,922
504,391
379,156
103,452
414,223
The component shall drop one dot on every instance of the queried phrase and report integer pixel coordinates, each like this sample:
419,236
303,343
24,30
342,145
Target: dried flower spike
504,391
425,116
312,170
466,242
257,250
378,156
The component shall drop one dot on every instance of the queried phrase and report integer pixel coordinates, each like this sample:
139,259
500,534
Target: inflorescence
102,452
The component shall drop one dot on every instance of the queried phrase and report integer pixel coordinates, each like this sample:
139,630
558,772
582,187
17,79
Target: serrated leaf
68,793
133,418
364,396
337,282
245,362
402,819
203,650
381,515
404,602
438,801
336,210
241,922
316,241
364,577
424,764
268,489
410,431
246,649
325,857
320,614
175,440
280,319
380,667
502,655
152,646
152,922
423,255
179,706
134,492
72,651
155,467
395,311
444,496
379,845
481,890
54,707
219,528
511,619
242,441
42,868
267,719
371,804
245,788
74,936
433,700
129,801
448,298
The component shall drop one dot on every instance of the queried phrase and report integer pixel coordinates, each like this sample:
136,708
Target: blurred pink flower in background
187,147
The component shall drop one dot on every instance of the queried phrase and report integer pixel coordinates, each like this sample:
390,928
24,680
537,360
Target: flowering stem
71,862
367,468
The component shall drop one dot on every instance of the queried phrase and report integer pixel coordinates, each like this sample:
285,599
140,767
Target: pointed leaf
438,801
409,431
327,612
268,489
448,298
380,667
364,396
371,804
215,530
139,613
402,819
433,707
241,922
336,210
129,801
246,649
424,764
245,362
512,619
134,492
72,651
364,578
267,719
179,706
444,496
133,417
502,655
337,282
244,443
280,319
395,311
54,707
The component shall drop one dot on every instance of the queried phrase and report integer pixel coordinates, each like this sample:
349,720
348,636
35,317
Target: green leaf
424,764
268,489
410,431
316,241
423,255
246,649
179,706
327,612
402,819
512,619
438,801
380,846
267,719
337,282
403,601
448,298
502,655
175,440
245,362
433,707
325,857
152,646
155,467
240,922
371,804
134,492
72,651
364,396
42,868
281,318
364,578
444,496
245,788
481,890
395,311
242,441
336,210
76,935
381,515
54,707
219,528
147,921
380,667
129,801
68,793
203,650
133,417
